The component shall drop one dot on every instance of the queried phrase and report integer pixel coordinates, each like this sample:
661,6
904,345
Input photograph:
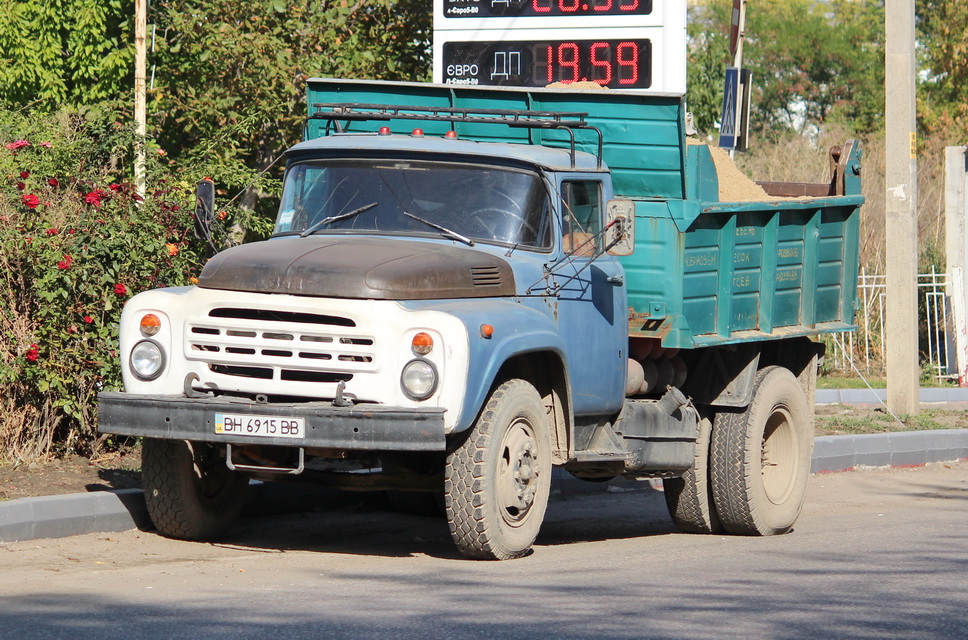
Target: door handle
618,281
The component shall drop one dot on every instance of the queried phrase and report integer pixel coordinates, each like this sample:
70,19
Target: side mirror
620,227
204,209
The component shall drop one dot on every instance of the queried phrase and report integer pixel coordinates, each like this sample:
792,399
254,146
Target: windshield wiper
342,216
453,235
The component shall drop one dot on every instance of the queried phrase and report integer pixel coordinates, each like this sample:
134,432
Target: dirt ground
123,471
75,474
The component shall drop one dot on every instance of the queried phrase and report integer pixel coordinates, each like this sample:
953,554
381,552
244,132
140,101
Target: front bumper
363,427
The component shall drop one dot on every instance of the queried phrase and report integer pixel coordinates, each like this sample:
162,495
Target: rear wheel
498,479
760,458
689,498
190,493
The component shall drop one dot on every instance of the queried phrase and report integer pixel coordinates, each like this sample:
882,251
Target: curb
901,449
108,511
927,395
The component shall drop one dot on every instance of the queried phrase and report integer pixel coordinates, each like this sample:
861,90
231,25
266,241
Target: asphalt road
876,554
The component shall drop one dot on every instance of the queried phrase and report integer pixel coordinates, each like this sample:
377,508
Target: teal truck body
610,309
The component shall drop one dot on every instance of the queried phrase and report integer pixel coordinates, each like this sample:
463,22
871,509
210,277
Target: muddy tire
689,498
189,491
760,458
498,479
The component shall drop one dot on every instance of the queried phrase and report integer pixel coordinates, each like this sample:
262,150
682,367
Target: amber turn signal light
422,343
150,324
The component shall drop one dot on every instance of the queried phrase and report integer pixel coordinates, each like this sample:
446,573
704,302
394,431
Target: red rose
33,353
19,144
24,175
114,187
21,186
65,264
30,201
52,182
51,232
94,198
88,319
120,289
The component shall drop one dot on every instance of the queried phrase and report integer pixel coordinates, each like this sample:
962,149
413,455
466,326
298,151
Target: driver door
592,308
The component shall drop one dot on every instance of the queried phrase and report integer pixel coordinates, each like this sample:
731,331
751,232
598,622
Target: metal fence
865,347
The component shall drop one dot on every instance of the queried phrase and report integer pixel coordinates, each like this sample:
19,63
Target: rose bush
76,242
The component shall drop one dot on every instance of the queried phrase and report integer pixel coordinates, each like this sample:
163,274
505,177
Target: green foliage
943,97
231,76
76,242
708,57
812,61
59,52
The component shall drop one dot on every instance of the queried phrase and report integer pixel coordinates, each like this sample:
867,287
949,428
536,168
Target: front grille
280,345
486,276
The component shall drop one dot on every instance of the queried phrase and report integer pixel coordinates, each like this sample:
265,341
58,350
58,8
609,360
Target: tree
943,99
66,51
231,76
812,61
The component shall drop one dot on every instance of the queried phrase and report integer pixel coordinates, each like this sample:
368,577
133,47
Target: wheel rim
779,456
518,472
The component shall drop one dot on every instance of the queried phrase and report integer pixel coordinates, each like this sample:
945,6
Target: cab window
581,216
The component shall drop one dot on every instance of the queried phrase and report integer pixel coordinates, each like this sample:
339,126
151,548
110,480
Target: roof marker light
384,131
451,134
417,133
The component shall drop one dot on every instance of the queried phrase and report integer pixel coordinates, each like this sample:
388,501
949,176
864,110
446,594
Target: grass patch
844,420
849,382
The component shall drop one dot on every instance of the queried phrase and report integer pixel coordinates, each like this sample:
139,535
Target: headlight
419,379
147,360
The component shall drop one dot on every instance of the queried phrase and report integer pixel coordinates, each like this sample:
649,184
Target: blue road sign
728,134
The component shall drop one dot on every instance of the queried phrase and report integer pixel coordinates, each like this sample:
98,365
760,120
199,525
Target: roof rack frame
517,118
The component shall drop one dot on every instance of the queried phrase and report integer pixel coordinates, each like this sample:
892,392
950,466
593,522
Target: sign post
736,95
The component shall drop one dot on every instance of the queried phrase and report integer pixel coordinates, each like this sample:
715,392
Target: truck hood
354,267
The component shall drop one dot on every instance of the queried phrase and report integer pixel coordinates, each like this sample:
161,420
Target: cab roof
375,143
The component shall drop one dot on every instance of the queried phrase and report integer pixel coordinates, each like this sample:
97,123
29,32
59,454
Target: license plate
236,424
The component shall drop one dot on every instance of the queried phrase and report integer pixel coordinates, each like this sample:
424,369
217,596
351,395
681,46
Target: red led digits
572,62
604,62
631,63
585,7
599,63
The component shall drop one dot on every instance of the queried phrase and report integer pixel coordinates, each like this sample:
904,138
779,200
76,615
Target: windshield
457,201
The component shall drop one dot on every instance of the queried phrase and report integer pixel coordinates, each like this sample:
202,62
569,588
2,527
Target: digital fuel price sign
613,63
544,8
638,45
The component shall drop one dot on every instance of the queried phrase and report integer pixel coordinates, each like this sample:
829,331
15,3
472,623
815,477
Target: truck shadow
365,524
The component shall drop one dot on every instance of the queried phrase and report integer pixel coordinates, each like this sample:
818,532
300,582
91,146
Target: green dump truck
469,286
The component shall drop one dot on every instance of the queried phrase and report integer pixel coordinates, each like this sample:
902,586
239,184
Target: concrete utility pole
140,108
903,367
956,241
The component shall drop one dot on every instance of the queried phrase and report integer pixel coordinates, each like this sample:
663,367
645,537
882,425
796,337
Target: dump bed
704,271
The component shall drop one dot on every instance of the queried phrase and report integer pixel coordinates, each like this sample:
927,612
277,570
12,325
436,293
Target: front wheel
190,493
760,458
498,480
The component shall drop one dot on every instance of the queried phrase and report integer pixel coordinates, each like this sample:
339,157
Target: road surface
880,553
